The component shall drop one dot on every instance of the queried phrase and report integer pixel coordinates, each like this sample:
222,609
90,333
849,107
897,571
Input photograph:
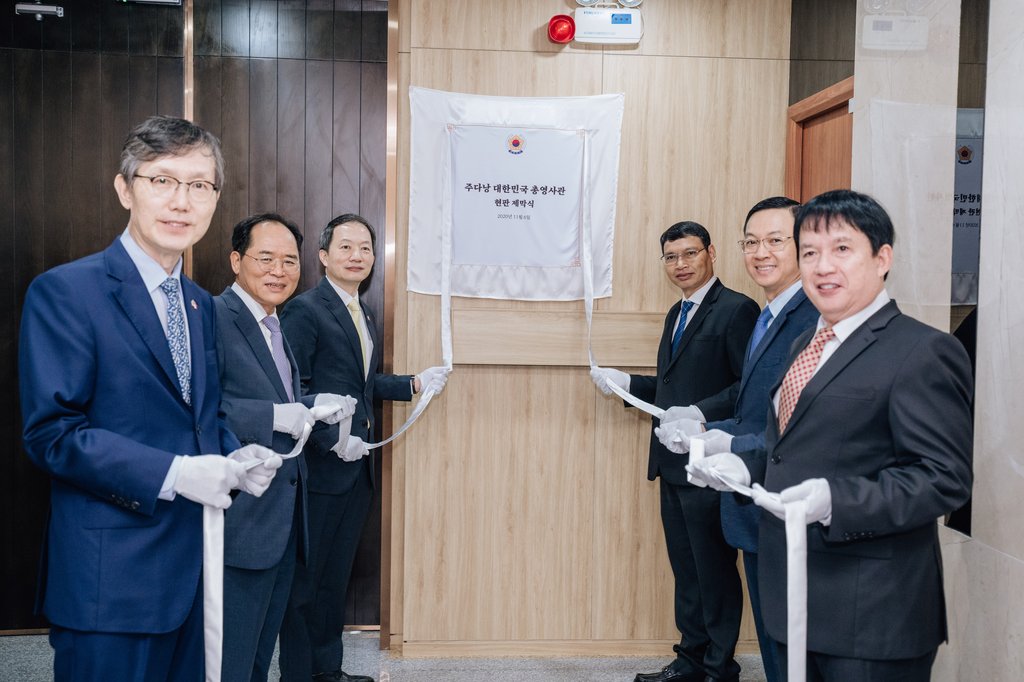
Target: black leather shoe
667,674
340,676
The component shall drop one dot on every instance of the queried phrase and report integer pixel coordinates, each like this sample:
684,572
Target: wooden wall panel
703,139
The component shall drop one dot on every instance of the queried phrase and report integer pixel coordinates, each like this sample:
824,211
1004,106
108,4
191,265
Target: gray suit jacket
256,529
887,422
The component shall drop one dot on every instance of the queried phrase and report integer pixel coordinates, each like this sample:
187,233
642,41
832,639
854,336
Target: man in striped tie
871,428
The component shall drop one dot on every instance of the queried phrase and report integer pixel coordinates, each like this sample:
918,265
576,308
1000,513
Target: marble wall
904,133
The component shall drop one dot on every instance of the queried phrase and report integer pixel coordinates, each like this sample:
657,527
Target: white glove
818,496
770,502
715,441
682,412
676,435
344,406
603,375
260,464
208,479
290,418
351,449
712,469
433,378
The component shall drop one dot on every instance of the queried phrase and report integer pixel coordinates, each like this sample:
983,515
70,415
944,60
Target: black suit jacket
256,530
325,342
887,422
709,360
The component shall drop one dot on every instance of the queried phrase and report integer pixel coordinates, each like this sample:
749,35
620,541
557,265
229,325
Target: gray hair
168,136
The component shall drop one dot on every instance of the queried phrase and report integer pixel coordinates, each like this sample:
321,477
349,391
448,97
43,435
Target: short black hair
859,211
770,203
241,235
687,228
328,232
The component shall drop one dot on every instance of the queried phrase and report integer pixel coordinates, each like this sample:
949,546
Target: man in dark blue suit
120,399
700,355
338,349
262,401
769,254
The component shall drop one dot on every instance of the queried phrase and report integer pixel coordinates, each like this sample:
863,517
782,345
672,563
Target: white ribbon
213,564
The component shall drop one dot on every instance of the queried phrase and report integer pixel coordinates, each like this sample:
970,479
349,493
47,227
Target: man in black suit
769,254
871,428
701,354
262,402
337,349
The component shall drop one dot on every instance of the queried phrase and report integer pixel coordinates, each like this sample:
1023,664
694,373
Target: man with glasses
120,400
701,354
769,253
263,403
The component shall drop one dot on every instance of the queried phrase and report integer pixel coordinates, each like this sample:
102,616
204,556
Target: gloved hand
818,496
351,448
290,418
208,479
433,378
770,502
682,412
715,441
324,401
260,464
676,435
710,471
602,375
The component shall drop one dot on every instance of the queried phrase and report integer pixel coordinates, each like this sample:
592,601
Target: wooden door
819,142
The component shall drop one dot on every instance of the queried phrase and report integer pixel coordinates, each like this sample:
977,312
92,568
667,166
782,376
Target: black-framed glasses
268,263
750,245
164,186
687,256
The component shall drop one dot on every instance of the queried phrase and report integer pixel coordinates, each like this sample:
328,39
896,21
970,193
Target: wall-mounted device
608,25
39,10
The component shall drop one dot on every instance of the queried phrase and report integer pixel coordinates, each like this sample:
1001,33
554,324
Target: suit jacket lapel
344,318
137,304
253,335
697,319
769,336
848,350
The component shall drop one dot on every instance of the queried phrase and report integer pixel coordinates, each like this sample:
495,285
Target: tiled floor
28,659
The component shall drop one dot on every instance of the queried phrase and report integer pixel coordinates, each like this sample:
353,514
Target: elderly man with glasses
700,357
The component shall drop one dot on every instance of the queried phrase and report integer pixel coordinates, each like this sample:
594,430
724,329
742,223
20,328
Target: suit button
665,380
293,482
199,430
776,459
135,505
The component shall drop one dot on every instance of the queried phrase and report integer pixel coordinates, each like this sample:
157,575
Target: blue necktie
760,328
177,339
683,312
284,368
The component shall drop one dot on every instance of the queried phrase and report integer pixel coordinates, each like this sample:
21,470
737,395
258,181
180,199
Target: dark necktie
683,312
760,328
177,339
284,368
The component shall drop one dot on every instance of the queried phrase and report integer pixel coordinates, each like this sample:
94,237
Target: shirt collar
153,274
698,296
255,308
843,328
780,301
346,297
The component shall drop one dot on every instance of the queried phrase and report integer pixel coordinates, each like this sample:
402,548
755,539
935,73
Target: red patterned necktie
800,373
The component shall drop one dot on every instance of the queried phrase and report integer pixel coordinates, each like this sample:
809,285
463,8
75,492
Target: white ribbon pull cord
796,590
213,569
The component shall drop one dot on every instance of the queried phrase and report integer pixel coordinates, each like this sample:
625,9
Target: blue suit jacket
104,417
762,370
256,530
326,346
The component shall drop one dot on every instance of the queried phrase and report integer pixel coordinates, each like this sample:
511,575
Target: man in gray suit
262,402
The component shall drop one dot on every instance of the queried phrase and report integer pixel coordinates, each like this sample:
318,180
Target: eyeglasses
164,186
687,256
750,245
267,264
